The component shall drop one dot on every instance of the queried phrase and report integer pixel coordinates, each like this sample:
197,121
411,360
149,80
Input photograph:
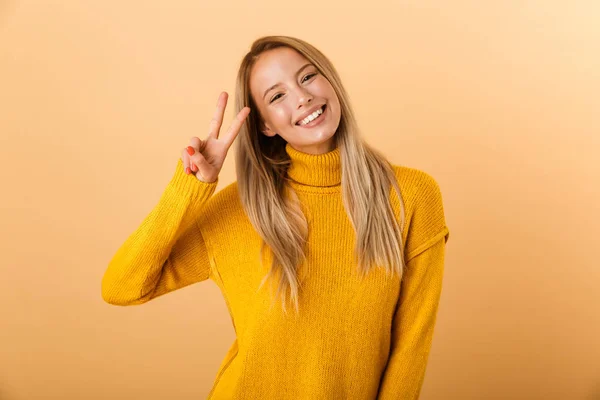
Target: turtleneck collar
320,170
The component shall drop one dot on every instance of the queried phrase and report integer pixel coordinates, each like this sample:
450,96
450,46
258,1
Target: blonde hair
273,207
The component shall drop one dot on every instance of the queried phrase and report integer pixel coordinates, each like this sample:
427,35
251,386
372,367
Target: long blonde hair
273,207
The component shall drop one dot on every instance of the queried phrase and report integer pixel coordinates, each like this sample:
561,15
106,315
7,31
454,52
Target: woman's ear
264,128
267,131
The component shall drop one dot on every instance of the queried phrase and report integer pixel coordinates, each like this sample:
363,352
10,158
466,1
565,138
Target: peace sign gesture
205,158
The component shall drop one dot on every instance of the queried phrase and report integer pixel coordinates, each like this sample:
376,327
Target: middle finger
217,120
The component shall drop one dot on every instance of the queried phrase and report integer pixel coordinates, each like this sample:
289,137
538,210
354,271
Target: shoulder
425,221
415,183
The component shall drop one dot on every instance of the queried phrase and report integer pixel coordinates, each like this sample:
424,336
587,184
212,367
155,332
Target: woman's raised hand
204,158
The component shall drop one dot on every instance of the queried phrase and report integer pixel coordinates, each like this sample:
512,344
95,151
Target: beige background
499,101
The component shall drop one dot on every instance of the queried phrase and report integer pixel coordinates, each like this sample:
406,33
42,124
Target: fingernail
193,167
190,150
187,170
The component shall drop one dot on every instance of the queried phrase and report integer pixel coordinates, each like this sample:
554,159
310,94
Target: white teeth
312,116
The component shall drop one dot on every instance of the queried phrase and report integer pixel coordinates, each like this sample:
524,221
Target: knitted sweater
353,339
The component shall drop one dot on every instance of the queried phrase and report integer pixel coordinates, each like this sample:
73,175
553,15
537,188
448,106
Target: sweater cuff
189,185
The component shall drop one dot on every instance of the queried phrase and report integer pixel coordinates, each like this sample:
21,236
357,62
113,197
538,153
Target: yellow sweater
353,339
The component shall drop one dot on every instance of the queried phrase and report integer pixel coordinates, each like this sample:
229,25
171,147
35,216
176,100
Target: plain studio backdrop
498,101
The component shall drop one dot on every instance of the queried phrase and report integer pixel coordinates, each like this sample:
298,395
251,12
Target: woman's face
300,90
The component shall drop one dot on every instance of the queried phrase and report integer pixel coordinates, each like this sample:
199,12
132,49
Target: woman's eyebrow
279,83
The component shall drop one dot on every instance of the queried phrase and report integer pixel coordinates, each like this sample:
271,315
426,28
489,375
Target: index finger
235,126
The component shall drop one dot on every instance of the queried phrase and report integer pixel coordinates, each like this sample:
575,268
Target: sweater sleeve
413,324
420,290
167,251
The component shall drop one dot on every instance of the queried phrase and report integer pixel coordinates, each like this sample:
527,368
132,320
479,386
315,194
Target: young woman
313,212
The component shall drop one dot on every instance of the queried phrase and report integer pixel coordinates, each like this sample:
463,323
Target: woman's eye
307,76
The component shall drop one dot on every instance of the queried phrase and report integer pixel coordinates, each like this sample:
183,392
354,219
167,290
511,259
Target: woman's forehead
277,61
273,67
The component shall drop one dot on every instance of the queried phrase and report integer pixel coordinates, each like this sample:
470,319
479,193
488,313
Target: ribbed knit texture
354,339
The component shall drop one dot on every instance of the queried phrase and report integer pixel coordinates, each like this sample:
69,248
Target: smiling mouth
299,123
